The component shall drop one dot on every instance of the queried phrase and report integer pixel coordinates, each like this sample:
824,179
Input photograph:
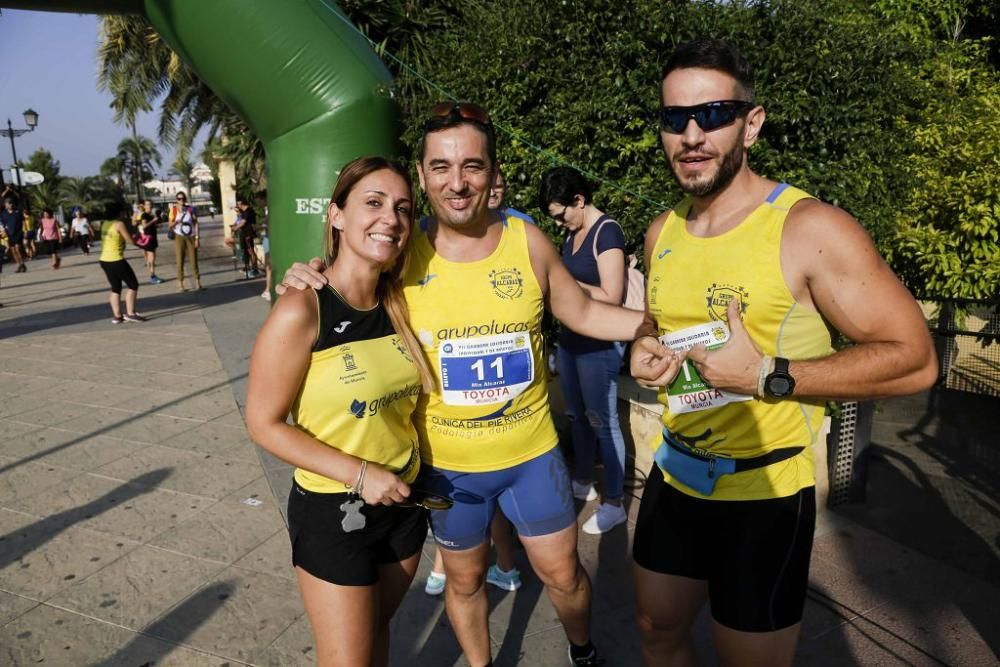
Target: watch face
778,386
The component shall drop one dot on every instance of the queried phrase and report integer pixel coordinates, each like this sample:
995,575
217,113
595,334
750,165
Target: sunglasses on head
708,116
459,110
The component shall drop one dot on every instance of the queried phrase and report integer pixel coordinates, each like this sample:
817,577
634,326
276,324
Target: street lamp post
31,120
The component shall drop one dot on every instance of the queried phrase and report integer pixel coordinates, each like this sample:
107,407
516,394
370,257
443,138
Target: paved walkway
139,526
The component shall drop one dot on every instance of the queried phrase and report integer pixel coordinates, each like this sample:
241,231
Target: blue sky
48,62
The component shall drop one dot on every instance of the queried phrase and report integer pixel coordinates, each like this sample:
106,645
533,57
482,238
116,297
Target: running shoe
507,581
435,583
155,279
584,491
592,660
117,320
266,295
604,519
134,317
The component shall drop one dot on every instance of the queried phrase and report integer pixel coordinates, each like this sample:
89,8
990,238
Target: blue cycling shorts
534,495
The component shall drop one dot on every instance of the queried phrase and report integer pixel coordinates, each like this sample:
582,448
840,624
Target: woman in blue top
594,253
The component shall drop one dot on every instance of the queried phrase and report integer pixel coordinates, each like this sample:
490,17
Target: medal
353,518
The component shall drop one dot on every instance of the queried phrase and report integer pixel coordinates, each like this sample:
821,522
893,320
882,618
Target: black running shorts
754,554
322,548
119,272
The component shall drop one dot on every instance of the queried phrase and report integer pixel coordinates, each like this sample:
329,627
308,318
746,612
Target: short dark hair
716,54
241,200
454,119
562,185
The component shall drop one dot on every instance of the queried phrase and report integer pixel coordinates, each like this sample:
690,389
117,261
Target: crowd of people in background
23,237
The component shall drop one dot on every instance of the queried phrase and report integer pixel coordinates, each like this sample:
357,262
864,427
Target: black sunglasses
560,217
453,111
708,116
427,500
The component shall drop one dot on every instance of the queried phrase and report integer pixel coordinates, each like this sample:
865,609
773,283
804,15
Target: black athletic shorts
754,554
322,548
119,272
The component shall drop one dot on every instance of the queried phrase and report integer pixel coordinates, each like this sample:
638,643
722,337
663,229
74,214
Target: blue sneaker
155,280
507,581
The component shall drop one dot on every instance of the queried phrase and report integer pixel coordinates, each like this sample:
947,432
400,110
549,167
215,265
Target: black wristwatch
779,383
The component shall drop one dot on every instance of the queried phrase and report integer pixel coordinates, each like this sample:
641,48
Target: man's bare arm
570,303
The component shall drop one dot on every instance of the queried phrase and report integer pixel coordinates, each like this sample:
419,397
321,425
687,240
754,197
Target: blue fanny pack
700,470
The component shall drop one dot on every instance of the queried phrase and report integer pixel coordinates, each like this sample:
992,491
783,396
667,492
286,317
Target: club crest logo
507,283
349,363
718,296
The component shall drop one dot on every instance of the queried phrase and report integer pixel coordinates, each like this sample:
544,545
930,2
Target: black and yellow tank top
359,392
691,283
480,324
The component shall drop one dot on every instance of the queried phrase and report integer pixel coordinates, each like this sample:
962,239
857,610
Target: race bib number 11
689,392
485,370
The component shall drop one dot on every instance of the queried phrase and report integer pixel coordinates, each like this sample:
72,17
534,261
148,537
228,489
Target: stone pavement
139,525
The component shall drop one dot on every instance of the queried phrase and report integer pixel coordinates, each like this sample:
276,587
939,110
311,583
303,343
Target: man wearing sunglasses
747,272
476,288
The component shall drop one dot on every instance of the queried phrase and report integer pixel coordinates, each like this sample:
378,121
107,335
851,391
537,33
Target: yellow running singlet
112,243
359,392
691,282
480,326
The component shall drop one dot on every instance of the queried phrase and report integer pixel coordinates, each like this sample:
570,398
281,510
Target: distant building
201,178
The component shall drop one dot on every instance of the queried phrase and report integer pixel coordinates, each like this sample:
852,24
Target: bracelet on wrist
763,370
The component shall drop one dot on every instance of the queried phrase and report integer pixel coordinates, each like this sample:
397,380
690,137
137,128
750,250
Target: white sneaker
435,583
604,519
584,491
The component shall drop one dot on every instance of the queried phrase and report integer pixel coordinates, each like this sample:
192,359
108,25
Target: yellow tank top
359,392
112,243
480,326
691,282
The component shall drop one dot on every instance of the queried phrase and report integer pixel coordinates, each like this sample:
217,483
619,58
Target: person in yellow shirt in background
30,231
114,236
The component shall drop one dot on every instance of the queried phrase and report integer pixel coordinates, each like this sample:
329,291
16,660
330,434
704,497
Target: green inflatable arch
307,83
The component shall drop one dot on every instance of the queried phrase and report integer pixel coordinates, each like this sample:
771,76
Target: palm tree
114,168
183,167
139,155
80,192
46,195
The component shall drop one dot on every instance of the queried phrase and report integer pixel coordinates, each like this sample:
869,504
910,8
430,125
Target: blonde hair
390,287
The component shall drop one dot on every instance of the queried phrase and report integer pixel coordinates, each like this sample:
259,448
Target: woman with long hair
346,365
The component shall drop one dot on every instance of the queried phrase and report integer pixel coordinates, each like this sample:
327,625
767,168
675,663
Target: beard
731,164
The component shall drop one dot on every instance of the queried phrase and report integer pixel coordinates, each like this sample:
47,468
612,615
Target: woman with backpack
594,254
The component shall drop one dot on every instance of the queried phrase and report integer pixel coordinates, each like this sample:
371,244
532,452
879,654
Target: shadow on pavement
19,543
174,627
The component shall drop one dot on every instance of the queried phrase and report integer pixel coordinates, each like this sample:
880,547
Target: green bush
862,101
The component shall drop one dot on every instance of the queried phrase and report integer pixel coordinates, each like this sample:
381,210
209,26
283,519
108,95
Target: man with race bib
745,273
476,289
